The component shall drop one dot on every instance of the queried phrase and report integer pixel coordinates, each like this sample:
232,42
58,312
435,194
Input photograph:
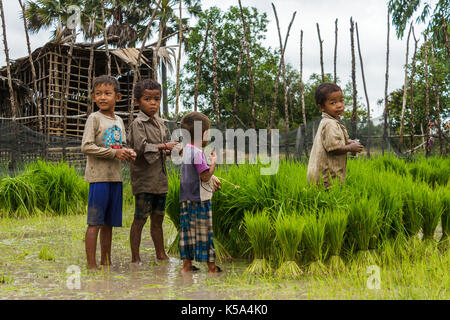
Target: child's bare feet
191,269
212,268
162,257
188,267
94,267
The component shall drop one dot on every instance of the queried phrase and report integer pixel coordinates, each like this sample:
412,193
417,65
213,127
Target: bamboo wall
51,64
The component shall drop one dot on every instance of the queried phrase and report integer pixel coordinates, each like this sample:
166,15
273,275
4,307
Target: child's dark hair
105,79
146,84
187,122
323,90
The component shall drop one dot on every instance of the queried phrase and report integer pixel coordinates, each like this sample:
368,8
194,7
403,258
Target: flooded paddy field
39,257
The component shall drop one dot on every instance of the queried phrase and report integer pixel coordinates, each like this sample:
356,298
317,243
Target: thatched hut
51,65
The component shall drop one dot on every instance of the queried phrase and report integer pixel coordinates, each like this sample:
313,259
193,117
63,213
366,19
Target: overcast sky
369,14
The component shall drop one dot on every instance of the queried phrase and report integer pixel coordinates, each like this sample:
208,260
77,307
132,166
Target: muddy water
28,276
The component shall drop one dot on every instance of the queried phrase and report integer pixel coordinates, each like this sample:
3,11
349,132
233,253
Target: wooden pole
155,52
90,108
446,37
180,40
236,89
216,86
354,114
105,37
11,93
136,73
321,53
249,64
197,68
386,97
67,85
302,94
411,89
33,69
280,67
365,90
335,47
427,100
8,65
442,149
402,118
283,67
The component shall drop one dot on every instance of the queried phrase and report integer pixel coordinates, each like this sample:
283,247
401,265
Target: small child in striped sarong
196,230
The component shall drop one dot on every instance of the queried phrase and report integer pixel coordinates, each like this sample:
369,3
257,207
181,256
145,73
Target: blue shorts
105,204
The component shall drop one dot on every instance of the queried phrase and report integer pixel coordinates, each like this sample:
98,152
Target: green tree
436,18
442,74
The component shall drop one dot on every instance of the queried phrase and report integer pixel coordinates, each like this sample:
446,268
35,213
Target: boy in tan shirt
328,158
149,182
103,140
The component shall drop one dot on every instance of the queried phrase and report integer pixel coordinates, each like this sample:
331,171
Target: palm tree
125,19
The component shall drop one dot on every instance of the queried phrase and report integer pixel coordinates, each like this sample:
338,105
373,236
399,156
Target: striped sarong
196,231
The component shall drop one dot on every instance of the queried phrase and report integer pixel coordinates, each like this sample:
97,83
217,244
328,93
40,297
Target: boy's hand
355,147
171,145
216,183
126,154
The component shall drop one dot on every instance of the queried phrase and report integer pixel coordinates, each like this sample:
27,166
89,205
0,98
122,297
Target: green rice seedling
444,195
61,190
18,196
288,231
412,209
313,242
391,205
432,210
258,227
335,226
173,209
363,226
46,254
4,279
173,199
174,247
434,172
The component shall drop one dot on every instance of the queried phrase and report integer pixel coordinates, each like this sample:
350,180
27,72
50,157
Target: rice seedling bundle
432,209
46,254
61,190
391,206
412,209
364,225
435,172
173,199
17,196
444,195
230,204
313,241
288,231
258,227
335,226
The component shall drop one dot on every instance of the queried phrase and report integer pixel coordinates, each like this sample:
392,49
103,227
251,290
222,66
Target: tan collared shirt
102,135
330,135
148,172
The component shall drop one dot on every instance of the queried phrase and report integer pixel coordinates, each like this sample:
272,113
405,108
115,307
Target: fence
20,144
